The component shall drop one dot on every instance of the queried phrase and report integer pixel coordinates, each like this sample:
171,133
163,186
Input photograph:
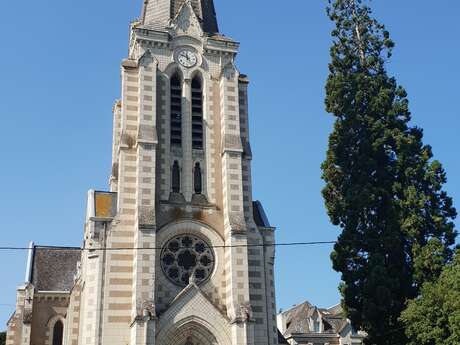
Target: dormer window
316,326
176,111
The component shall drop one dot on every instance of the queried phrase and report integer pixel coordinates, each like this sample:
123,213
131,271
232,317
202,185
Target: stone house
310,325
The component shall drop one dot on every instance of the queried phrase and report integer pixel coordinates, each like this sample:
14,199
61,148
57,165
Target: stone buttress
177,252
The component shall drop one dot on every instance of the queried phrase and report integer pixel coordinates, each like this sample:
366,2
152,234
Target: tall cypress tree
383,187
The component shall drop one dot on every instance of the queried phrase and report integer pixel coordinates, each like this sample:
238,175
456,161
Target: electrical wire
262,245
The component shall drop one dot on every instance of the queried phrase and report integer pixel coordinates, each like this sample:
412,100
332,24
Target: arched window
197,114
198,179
58,333
176,110
176,177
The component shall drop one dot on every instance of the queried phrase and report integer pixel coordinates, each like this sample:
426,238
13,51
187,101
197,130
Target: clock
187,58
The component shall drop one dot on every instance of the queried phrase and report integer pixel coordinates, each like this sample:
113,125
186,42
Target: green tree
383,187
434,317
2,338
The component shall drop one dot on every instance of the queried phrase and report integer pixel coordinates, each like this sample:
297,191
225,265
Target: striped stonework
174,253
72,324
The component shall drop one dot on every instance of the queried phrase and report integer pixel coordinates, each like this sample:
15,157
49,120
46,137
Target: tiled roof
158,13
337,323
281,338
54,270
335,310
297,318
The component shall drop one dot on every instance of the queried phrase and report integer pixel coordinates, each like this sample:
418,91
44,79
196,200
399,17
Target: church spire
159,13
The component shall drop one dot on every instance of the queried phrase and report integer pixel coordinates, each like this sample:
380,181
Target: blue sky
60,75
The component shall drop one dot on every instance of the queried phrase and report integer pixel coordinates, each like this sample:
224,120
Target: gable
191,305
186,22
160,12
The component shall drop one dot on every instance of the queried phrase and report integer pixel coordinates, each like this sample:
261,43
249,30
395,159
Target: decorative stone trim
146,217
146,310
237,223
232,143
128,140
129,64
27,316
147,134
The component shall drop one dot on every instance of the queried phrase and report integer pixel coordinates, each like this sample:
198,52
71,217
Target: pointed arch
55,330
196,330
192,333
58,333
175,185
197,112
176,109
198,179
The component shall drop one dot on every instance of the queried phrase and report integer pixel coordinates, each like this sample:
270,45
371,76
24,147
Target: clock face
187,58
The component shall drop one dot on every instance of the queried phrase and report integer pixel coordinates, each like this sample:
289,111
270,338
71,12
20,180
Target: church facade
176,252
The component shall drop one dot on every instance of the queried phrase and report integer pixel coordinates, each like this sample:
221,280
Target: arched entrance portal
192,334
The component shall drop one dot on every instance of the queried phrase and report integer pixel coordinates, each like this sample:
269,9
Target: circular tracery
187,256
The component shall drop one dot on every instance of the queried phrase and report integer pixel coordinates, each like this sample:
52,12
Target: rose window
187,256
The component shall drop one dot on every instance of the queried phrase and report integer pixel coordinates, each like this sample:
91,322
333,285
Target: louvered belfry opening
197,114
176,111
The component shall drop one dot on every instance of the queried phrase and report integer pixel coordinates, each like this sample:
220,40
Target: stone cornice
218,45
265,228
143,32
222,45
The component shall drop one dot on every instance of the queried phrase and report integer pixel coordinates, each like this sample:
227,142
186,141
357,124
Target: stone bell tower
191,259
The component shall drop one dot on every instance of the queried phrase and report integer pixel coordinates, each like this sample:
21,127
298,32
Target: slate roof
281,338
54,270
259,215
297,319
158,13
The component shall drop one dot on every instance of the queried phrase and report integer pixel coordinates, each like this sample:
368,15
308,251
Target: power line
262,245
